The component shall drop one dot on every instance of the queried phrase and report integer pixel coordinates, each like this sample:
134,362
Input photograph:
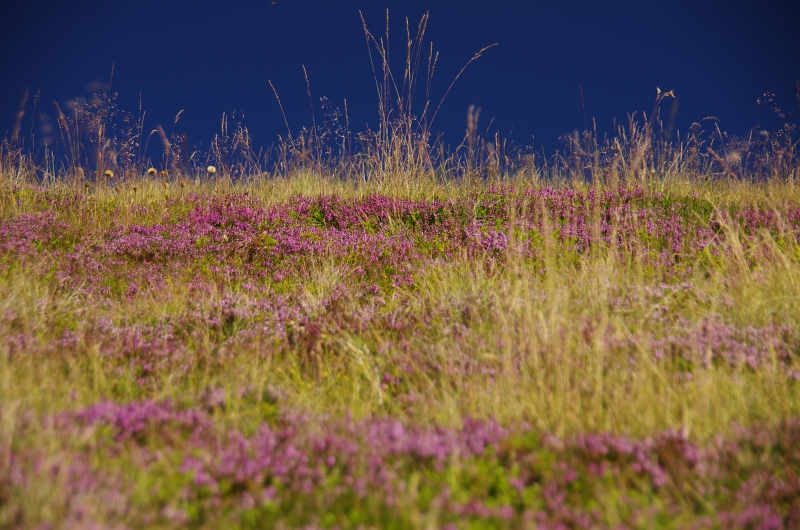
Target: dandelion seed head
733,157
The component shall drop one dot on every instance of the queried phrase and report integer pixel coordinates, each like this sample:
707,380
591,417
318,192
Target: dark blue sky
214,57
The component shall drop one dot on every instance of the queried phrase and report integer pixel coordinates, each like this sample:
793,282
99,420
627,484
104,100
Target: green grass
541,336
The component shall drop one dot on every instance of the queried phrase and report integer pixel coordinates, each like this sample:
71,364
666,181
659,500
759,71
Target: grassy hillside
405,351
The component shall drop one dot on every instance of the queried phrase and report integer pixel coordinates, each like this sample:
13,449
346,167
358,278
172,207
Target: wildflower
108,174
164,173
151,171
135,189
183,183
211,170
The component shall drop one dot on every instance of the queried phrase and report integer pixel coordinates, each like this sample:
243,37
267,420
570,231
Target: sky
558,66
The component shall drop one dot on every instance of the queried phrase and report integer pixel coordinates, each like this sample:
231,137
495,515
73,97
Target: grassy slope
516,324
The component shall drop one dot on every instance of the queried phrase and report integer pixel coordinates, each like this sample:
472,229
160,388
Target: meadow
310,351
388,336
